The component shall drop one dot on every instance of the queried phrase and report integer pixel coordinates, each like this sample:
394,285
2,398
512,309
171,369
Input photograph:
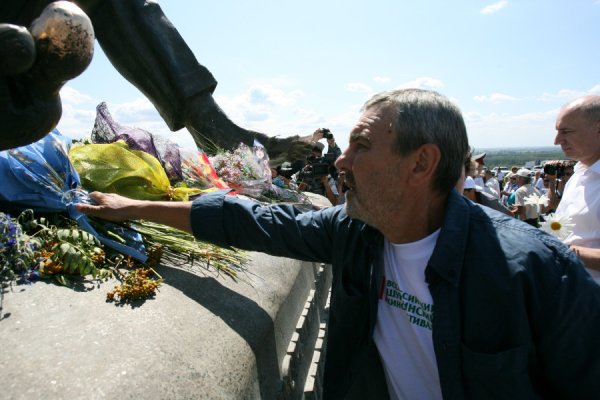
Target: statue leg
148,51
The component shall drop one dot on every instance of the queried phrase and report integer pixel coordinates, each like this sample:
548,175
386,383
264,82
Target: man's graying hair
422,117
589,108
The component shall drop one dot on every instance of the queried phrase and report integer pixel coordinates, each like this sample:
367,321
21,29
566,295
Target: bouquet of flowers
41,177
198,172
247,171
107,130
244,169
115,167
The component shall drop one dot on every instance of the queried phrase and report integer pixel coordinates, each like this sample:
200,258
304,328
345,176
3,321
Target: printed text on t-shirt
419,313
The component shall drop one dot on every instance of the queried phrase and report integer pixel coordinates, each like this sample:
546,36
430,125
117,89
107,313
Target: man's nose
558,138
343,161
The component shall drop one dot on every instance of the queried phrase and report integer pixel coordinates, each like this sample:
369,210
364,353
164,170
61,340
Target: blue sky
287,68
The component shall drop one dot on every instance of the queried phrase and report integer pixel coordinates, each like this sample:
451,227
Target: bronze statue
145,48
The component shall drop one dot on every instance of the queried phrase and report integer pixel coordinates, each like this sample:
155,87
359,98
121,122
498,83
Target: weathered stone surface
203,336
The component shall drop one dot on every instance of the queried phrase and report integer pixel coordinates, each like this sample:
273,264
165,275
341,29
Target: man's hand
110,206
589,256
317,135
113,207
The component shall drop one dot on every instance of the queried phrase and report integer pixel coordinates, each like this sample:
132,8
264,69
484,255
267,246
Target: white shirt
539,184
478,181
469,183
524,191
493,187
581,202
404,316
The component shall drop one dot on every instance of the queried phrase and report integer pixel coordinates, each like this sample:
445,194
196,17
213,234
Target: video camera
317,167
557,167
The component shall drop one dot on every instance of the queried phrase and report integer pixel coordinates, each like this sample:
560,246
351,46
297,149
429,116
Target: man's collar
596,167
450,249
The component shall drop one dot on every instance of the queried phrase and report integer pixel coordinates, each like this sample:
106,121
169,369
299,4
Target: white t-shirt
581,202
524,191
404,317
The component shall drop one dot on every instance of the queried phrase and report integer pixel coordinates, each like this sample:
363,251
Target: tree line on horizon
508,158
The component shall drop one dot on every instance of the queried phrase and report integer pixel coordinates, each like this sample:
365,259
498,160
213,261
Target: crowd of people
507,192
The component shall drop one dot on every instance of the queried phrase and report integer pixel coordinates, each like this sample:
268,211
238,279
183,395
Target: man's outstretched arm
114,207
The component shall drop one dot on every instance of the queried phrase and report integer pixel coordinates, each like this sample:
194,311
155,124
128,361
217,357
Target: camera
326,133
317,167
552,169
557,167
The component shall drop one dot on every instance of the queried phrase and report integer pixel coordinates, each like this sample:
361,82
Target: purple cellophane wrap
107,130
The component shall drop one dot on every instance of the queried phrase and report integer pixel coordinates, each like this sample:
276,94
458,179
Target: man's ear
426,159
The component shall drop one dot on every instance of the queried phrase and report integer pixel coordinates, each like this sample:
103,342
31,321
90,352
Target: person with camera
557,173
578,134
319,174
316,175
332,148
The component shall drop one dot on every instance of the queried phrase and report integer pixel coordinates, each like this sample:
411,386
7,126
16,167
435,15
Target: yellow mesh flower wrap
115,168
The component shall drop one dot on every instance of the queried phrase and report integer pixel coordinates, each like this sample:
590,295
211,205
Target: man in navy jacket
433,296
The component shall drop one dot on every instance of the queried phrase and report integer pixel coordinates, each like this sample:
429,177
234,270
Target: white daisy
537,201
558,225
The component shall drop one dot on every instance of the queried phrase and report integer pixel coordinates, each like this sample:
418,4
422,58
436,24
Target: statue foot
17,50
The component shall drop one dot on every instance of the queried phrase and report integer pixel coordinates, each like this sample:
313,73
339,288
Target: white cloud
269,108
563,94
494,98
384,79
359,87
267,93
566,95
78,113
140,109
493,8
424,82
70,95
498,118
595,89
497,130
76,122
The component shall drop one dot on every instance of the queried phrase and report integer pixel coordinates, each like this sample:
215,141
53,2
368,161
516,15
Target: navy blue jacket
516,315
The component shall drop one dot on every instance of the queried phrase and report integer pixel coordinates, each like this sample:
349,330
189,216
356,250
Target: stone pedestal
204,336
